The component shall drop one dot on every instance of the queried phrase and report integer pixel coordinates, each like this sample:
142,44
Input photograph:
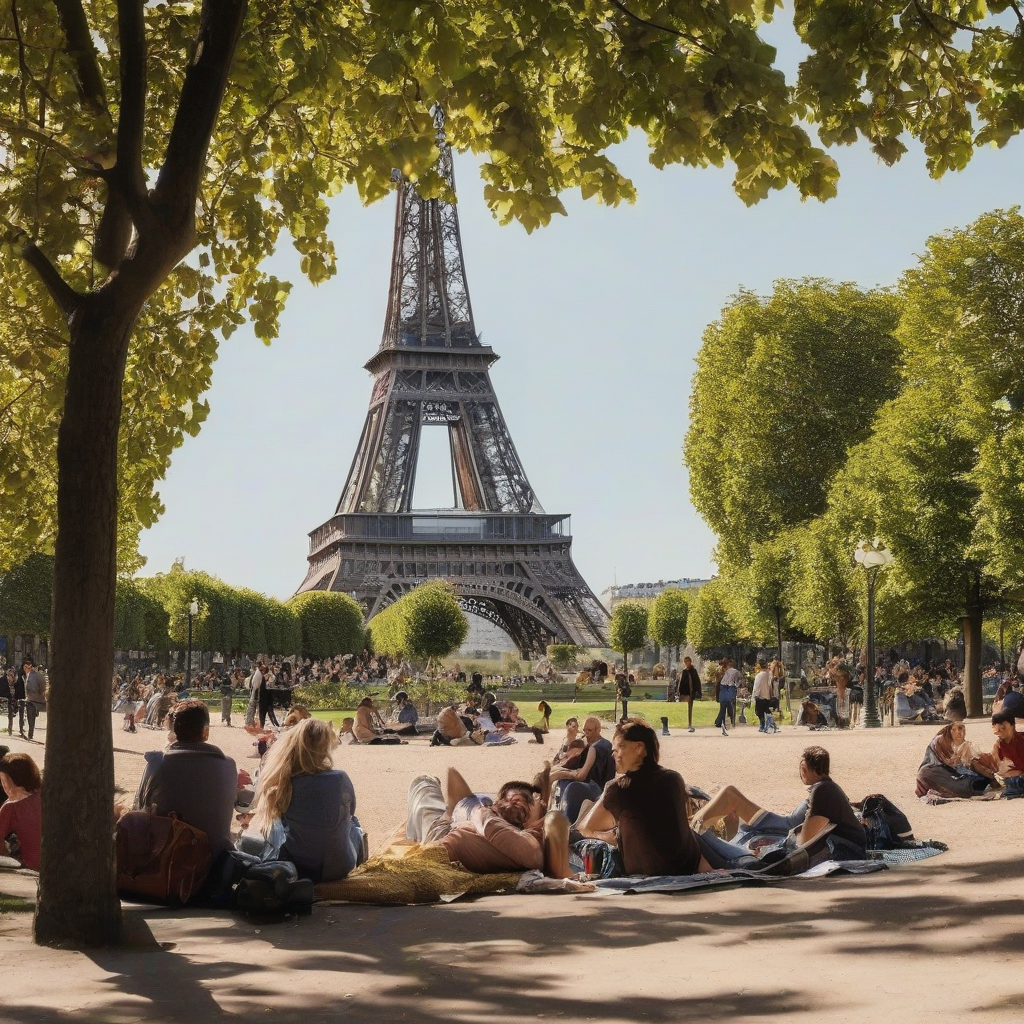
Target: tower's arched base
515,570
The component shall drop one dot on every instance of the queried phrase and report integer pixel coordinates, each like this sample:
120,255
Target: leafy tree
628,629
666,618
282,628
785,385
947,73
825,595
141,622
331,623
763,589
25,592
562,656
930,481
252,622
711,622
434,623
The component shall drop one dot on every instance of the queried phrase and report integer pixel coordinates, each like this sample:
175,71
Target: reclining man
514,832
824,824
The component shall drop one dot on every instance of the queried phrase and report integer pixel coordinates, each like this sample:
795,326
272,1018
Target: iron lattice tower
507,559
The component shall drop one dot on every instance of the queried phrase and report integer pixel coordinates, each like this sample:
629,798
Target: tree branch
80,46
661,28
1017,11
202,93
24,131
67,299
131,121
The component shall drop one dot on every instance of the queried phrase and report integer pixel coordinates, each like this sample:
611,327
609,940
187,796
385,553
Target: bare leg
457,789
542,780
556,845
728,801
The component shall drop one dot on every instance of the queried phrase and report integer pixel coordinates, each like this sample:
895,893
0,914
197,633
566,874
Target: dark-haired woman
21,823
953,766
540,727
647,805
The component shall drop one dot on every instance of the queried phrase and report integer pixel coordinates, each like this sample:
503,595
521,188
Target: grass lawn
10,903
704,712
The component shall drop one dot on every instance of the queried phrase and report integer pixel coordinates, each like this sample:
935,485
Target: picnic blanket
877,860
414,873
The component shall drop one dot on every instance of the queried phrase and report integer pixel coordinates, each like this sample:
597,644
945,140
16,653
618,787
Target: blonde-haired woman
314,801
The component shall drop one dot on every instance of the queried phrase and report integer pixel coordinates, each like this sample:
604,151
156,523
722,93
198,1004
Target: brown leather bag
160,858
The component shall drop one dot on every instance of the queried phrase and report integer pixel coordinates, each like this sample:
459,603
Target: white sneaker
691,729
725,732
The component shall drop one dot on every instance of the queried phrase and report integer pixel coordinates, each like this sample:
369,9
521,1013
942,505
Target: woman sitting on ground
21,814
646,806
315,802
540,727
570,746
953,766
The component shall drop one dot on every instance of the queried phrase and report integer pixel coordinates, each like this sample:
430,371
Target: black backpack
886,827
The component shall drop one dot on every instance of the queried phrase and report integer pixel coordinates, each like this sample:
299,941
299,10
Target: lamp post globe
874,556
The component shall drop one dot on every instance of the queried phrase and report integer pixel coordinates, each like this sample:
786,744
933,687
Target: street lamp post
193,611
873,555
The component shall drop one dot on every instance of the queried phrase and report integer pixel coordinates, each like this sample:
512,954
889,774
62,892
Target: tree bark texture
78,902
972,661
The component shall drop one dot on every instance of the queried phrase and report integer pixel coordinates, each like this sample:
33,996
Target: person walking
726,688
255,684
35,694
8,693
762,695
689,689
227,691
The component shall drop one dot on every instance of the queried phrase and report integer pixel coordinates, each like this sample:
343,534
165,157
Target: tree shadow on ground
499,959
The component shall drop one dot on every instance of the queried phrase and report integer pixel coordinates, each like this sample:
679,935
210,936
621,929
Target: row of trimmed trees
665,620
152,614
823,415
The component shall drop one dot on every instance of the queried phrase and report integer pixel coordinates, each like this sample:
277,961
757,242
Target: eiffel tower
508,560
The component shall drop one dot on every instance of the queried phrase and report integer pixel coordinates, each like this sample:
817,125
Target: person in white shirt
726,689
762,694
255,683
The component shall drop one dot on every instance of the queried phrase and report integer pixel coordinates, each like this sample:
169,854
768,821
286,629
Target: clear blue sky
597,320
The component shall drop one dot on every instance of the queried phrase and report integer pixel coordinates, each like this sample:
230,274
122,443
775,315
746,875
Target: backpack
886,827
160,858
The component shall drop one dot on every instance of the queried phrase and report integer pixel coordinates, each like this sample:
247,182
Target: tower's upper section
428,302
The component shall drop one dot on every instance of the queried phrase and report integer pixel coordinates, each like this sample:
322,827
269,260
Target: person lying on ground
540,727
191,778
300,788
514,832
646,804
21,823
953,766
586,782
453,730
1009,747
826,814
572,728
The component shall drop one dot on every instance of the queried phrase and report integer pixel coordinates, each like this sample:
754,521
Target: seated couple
513,832
364,728
298,787
644,810
954,767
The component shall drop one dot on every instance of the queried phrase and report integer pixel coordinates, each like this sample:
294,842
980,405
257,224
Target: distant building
632,591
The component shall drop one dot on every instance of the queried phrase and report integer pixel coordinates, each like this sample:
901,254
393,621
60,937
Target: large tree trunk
972,623
78,902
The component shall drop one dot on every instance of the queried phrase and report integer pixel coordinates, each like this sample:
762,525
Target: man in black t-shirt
826,813
689,689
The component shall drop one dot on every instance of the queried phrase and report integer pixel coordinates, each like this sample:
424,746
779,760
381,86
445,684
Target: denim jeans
573,796
726,707
721,854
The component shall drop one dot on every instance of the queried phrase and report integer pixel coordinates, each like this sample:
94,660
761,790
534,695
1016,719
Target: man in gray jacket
35,694
192,778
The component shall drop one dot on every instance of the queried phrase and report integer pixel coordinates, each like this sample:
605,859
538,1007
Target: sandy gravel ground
930,942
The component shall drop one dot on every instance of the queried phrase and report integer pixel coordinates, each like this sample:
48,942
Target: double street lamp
874,556
193,611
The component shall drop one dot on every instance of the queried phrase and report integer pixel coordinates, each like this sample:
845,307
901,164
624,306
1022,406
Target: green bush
331,623
427,623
